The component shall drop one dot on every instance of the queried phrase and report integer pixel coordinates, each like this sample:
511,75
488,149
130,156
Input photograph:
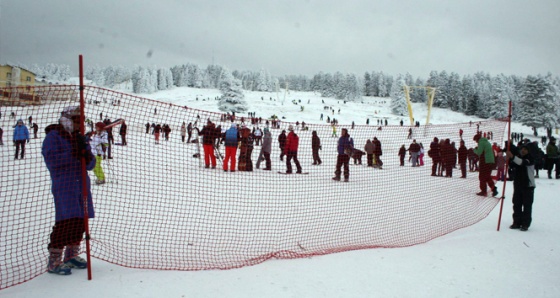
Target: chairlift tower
430,91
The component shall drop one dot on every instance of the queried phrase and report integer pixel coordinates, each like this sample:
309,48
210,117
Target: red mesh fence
161,208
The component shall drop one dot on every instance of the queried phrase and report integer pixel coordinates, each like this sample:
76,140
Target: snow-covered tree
398,98
94,73
232,99
538,104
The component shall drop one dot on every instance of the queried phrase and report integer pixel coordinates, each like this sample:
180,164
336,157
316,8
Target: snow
476,261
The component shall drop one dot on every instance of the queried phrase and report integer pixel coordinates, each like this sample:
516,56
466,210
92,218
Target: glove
14,143
81,141
320,147
27,141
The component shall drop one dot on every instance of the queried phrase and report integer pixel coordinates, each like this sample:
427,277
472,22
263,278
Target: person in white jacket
99,140
183,132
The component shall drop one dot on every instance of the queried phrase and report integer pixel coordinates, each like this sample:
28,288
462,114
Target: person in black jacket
462,157
122,132
282,143
434,154
209,135
316,146
523,188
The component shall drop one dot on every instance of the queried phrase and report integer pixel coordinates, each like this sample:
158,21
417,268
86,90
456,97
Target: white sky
289,37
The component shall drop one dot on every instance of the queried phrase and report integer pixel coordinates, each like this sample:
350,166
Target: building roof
12,66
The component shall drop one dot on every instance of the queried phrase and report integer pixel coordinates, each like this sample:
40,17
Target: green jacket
552,150
485,148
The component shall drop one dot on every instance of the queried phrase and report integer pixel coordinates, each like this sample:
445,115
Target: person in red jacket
291,147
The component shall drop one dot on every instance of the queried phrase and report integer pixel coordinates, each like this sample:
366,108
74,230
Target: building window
28,79
9,75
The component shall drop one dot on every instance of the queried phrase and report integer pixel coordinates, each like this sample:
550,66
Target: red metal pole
505,169
85,191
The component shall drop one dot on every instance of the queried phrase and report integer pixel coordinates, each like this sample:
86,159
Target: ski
303,173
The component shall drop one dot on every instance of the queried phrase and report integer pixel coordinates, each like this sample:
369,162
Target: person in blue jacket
21,136
63,149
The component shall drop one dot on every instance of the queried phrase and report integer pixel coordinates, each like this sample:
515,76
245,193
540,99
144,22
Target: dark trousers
435,164
292,155
67,232
282,153
183,139
342,160
550,163
463,166
370,160
20,144
267,159
522,205
123,140
189,139
316,158
485,176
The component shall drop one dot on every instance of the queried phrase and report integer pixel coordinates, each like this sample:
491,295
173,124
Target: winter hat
476,137
291,127
100,125
66,117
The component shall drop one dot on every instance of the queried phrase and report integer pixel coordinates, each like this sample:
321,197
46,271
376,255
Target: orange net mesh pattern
161,208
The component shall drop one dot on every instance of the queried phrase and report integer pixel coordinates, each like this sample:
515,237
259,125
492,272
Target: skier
462,157
35,130
147,127
409,133
189,132
552,158
290,149
484,151
345,147
209,135
377,152
258,136
99,141
266,148
231,137
183,132
434,154
63,150
1,137
21,136
523,188
315,147
282,143
414,149
402,154
122,132
157,130
334,131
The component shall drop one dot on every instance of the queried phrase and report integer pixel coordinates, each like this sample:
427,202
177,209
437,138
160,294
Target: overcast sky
289,37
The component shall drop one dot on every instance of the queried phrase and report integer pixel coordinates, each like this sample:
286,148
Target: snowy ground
475,261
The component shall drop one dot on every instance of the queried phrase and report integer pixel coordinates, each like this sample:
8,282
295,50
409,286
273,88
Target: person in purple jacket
63,150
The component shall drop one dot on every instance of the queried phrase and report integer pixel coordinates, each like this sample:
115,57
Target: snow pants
485,176
67,232
231,152
522,205
98,170
209,155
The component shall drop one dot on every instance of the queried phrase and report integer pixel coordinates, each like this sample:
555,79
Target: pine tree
232,99
398,98
538,105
